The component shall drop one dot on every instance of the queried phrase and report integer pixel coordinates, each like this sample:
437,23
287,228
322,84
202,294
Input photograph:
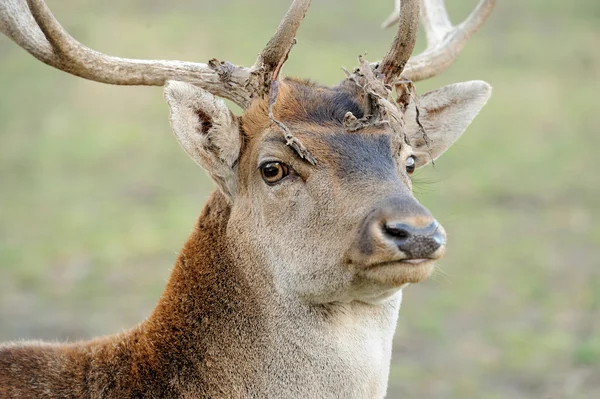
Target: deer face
347,228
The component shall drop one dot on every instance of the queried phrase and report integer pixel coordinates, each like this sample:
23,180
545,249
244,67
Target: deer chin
380,297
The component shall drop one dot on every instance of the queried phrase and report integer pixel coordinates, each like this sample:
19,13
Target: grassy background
96,196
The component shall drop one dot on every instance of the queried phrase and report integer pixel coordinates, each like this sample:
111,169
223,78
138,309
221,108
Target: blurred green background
96,196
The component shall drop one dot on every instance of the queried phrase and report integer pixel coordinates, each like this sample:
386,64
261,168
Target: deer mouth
415,261
398,272
400,262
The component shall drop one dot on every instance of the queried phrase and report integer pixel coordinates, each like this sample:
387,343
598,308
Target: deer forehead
302,101
315,115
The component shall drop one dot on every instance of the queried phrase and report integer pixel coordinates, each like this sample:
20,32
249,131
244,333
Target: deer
291,281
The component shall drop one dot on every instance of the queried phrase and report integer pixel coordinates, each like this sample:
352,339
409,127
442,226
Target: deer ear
445,114
207,131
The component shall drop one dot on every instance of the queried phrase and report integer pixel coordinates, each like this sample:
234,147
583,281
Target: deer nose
397,229
416,242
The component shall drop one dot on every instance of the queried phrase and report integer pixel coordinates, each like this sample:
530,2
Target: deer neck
221,317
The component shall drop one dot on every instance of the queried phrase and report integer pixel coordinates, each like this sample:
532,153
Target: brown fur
191,346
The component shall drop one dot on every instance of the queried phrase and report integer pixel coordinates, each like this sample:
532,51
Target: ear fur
445,114
207,131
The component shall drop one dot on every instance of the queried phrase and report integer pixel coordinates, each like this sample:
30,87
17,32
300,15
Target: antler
277,49
444,41
31,25
393,63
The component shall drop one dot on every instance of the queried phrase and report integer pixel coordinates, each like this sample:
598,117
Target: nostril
415,242
397,231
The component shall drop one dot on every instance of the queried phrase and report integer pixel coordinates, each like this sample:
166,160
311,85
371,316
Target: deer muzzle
400,230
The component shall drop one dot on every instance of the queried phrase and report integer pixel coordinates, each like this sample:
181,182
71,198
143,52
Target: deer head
317,178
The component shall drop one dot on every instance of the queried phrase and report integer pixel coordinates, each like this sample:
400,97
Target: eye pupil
272,172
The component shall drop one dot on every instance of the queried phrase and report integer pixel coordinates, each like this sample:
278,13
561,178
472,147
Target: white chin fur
384,296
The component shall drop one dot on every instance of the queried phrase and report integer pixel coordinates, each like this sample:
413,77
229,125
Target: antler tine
394,16
435,21
275,53
393,63
444,41
32,26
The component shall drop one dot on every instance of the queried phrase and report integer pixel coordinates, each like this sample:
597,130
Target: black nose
414,241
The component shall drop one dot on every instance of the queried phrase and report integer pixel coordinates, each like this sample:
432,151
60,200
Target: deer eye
410,164
272,172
